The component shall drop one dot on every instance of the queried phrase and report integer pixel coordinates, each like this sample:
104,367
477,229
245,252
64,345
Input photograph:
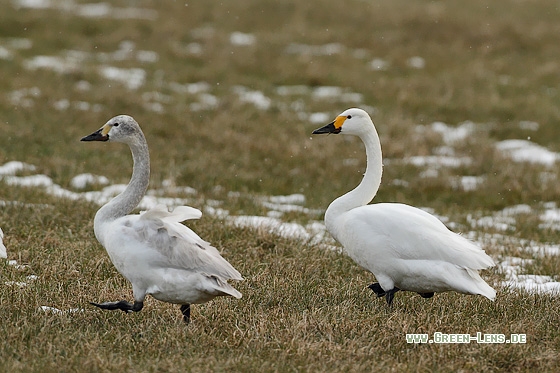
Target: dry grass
304,309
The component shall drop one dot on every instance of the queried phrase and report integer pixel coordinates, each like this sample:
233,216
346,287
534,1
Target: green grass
303,308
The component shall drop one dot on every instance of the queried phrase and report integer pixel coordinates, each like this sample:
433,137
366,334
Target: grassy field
227,94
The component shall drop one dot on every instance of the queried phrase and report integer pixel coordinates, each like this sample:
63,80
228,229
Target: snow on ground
91,10
84,180
437,161
242,39
451,134
467,183
513,267
13,167
527,151
315,231
132,78
56,311
257,98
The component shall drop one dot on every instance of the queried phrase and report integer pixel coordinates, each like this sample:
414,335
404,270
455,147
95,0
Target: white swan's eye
348,117
116,124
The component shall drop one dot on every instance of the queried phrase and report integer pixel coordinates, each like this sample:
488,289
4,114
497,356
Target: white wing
174,245
406,232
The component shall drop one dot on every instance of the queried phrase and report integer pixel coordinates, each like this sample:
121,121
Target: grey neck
127,201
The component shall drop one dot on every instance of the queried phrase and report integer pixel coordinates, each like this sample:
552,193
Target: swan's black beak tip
96,136
329,128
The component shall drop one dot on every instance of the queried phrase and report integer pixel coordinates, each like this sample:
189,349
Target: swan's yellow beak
101,134
333,127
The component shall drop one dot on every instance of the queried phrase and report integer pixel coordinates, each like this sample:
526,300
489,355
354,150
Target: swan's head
350,122
122,128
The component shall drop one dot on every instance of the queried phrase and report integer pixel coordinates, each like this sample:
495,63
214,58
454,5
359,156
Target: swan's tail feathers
469,254
480,286
223,288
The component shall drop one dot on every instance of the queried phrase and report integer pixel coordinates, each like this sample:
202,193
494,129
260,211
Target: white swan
404,247
3,253
154,251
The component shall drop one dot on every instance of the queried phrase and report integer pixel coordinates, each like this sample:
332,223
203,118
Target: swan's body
405,247
3,253
153,250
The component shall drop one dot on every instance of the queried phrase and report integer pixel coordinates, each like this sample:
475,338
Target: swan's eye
348,117
116,124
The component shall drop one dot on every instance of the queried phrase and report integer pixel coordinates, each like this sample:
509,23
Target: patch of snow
438,161
534,284
132,78
314,50
527,151
56,311
5,53
416,62
22,284
55,63
17,266
379,64
453,134
13,167
83,86
467,183
206,101
326,92
319,118
501,220
292,198
529,125
83,180
314,232
292,90
18,43
147,56
190,88
106,10
24,97
242,39
257,98
29,181
33,4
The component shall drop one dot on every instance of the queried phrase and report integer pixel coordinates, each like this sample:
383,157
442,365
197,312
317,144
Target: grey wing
179,247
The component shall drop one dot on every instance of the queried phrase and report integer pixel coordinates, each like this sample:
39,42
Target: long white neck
125,202
368,187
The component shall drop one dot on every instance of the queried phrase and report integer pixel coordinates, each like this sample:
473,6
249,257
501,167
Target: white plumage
153,250
3,253
405,247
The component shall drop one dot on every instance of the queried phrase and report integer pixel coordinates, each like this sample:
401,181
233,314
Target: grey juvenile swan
153,250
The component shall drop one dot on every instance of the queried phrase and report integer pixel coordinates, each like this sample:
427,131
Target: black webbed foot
389,295
427,295
120,305
377,289
186,311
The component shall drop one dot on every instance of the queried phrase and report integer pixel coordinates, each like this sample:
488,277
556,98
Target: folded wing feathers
178,245
425,236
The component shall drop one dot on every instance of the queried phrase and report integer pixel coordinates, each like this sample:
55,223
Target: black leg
389,295
186,311
377,289
427,295
120,305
